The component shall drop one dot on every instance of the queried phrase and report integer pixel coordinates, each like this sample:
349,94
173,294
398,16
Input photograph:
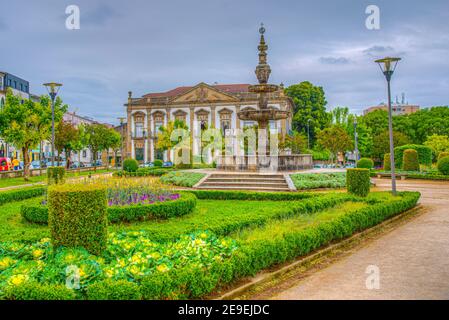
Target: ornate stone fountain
265,113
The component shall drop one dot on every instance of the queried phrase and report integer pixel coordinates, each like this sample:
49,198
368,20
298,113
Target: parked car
97,163
5,164
35,164
76,165
167,164
148,165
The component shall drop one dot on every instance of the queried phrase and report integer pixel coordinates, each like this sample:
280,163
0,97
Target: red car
5,164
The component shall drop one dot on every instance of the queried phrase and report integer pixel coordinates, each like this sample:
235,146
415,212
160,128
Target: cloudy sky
152,46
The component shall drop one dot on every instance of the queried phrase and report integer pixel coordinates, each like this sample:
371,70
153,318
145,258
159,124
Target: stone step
239,179
249,184
286,189
257,176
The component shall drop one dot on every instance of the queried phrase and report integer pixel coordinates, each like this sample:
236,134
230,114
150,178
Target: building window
84,154
180,115
247,124
225,120
2,103
139,130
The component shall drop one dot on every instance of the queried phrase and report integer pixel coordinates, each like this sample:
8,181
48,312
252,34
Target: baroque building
200,106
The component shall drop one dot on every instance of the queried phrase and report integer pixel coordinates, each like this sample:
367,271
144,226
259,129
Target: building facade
200,106
398,108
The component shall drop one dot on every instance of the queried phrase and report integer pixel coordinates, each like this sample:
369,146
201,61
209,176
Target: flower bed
131,261
142,208
182,178
304,181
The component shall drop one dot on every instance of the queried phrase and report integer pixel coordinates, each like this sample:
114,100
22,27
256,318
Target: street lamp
53,89
388,66
308,133
356,141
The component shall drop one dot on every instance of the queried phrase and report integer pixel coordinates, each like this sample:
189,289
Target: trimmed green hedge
424,154
358,181
38,213
365,163
183,179
21,194
410,160
36,291
113,290
77,216
55,175
160,210
387,162
443,165
251,195
143,172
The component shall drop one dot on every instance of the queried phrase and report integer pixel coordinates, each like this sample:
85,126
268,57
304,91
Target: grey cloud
334,60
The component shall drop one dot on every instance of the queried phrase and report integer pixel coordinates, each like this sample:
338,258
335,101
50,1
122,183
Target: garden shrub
358,181
158,163
55,175
185,204
424,154
37,291
130,165
77,216
143,172
113,290
410,160
21,194
443,165
443,154
365,163
387,162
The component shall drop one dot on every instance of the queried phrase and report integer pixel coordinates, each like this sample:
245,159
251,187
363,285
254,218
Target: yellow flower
224,243
44,240
135,270
38,253
6,263
109,273
203,235
82,273
162,268
198,242
18,279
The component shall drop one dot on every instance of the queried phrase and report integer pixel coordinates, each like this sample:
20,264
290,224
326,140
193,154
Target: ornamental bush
158,163
77,216
410,160
387,162
130,165
35,213
358,181
21,194
37,291
443,165
55,175
424,154
443,154
365,163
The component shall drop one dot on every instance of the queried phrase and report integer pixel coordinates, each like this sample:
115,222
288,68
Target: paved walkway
413,260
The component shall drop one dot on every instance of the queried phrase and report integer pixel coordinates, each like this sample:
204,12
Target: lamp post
388,66
53,89
356,141
308,133
122,121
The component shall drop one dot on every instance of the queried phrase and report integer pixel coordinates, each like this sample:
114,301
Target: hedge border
21,194
160,210
252,195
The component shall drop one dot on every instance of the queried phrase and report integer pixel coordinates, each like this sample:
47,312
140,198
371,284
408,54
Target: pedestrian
15,164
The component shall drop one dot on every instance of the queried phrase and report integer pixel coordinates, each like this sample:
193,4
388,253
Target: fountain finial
263,70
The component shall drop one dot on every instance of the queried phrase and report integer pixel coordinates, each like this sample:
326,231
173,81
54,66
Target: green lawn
11,182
